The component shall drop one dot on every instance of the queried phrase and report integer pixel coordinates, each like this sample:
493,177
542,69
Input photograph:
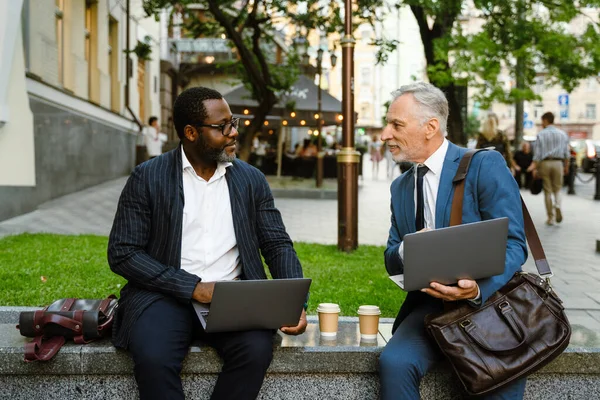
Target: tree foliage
256,27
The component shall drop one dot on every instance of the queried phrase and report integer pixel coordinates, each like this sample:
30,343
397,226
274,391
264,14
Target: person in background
375,150
523,159
153,138
550,162
491,136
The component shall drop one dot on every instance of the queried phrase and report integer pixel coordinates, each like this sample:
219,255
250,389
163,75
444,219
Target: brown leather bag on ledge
83,320
518,330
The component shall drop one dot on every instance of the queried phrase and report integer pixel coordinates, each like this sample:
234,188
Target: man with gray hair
421,200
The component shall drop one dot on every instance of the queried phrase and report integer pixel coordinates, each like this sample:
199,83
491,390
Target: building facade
67,120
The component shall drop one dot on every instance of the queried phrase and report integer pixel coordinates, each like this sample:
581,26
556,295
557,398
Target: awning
304,93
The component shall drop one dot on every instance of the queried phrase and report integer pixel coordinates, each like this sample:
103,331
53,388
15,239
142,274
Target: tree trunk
441,27
456,128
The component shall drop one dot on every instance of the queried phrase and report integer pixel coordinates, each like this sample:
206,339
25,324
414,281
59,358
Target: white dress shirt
431,185
208,245
154,141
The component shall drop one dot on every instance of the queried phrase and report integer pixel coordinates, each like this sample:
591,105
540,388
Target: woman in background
491,136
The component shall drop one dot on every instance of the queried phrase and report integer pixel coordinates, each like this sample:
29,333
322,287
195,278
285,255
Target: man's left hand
467,289
298,329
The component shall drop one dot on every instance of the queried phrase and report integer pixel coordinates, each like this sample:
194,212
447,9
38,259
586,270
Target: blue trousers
161,338
410,353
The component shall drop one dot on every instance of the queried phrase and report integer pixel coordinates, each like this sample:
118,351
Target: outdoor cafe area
290,132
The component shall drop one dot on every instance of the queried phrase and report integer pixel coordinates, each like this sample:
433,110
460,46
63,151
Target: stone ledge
303,367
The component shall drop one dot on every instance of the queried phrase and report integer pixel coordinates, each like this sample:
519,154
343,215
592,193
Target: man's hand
203,292
532,167
298,329
467,289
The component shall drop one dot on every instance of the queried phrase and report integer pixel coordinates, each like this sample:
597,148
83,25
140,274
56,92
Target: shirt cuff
477,300
401,251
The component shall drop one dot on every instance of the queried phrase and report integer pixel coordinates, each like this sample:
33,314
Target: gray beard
223,157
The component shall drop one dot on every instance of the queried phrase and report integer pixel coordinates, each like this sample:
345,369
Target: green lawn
37,269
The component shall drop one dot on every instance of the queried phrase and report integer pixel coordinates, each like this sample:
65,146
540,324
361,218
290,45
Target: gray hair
431,100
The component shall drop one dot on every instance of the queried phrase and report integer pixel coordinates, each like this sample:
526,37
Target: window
365,76
590,111
59,24
113,55
539,85
91,50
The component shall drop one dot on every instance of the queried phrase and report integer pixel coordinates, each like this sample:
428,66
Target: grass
36,269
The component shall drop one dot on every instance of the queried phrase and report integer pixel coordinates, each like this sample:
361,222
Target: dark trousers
523,178
410,353
160,340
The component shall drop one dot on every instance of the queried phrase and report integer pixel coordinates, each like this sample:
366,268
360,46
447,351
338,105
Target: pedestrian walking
551,162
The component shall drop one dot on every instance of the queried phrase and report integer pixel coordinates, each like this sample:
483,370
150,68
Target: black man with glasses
186,219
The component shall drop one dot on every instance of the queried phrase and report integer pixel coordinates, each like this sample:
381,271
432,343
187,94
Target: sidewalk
570,246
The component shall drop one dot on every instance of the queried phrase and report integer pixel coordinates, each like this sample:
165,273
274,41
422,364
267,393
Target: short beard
213,154
224,157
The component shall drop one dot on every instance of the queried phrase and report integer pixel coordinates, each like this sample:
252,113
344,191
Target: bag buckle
503,305
465,323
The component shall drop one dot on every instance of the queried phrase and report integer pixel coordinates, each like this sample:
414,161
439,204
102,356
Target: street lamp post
320,153
348,158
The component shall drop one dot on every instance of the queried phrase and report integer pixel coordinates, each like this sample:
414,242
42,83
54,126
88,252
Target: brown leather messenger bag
518,330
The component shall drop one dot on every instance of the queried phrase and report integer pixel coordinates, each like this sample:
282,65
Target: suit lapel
177,200
446,189
235,198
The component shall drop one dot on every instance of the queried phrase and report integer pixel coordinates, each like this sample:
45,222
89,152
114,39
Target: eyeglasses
226,128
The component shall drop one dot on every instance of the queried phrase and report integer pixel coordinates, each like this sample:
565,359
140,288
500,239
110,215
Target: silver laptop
260,304
468,251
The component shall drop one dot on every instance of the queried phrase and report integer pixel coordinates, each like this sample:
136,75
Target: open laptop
468,251
259,304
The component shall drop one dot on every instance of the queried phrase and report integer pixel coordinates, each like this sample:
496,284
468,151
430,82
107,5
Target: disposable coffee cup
328,319
368,320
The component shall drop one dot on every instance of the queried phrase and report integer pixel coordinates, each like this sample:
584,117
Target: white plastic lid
368,310
328,308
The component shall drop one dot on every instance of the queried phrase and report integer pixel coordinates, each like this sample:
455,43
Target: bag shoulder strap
533,239
43,349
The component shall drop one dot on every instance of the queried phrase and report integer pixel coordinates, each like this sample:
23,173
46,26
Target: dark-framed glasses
225,128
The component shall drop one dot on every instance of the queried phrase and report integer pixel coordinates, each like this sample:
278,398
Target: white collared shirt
431,185
208,245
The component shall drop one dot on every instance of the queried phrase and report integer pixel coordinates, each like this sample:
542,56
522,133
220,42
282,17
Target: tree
524,37
252,28
527,38
435,38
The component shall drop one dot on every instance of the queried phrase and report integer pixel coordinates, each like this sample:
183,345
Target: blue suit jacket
145,241
490,192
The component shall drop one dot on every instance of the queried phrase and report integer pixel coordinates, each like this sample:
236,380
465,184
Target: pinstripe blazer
145,241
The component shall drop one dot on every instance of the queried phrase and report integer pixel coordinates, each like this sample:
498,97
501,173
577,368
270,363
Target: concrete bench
304,367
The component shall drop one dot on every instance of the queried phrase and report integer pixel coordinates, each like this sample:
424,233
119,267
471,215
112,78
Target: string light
303,122
246,111
284,122
247,122
293,114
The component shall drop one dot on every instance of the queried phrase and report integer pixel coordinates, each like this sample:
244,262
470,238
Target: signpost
563,102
